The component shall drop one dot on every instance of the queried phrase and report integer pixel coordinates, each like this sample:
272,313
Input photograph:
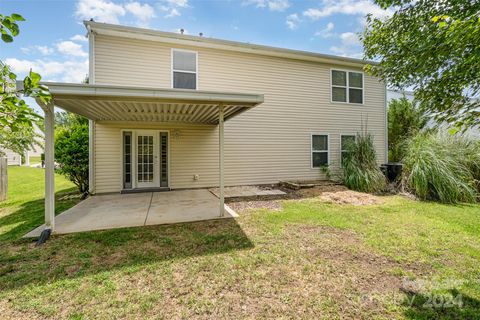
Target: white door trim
135,133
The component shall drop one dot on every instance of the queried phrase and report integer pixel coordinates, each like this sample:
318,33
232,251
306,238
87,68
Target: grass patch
24,208
311,258
35,160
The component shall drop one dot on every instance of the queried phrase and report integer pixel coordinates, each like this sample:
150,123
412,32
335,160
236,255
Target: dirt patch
350,197
319,190
332,193
242,206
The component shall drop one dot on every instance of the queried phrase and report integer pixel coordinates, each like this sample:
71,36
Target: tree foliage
68,119
14,112
71,152
434,47
404,121
21,140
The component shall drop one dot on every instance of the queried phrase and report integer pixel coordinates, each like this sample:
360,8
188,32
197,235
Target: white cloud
347,7
110,12
178,3
79,37
172,7
43,50
71,48
67,71
350,39
143,12
273,5
292,21
327,32
351,46
100,10
173,13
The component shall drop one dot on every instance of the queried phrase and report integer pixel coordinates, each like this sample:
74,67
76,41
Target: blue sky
52,39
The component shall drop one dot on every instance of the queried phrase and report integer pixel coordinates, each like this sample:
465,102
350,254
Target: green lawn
309,260
35,160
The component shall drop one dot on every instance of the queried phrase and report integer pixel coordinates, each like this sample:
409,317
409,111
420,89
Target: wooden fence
3,179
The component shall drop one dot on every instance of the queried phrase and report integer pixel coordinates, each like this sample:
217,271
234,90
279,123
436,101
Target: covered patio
149,105
111,211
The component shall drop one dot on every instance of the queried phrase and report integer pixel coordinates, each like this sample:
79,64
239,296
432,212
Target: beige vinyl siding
264,145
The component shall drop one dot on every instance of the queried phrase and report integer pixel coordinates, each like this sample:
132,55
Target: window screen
347,86
319,150
184,69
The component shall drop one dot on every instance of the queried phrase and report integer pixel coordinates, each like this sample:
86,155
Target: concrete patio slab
132,210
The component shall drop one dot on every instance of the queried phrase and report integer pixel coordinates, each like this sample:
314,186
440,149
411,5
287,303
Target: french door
147,174
145,159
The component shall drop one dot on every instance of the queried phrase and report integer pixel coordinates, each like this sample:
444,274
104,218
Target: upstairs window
319,150
184,69
347,86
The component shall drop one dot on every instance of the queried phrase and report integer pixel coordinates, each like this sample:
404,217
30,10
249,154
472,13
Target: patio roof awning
125,103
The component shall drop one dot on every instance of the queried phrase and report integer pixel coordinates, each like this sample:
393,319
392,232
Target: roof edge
171,37
67,89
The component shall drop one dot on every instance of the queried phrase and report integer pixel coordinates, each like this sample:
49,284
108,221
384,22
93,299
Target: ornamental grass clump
359,166
442,167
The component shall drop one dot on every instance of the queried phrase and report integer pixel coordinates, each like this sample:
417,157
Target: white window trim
312,151
184,71
347,87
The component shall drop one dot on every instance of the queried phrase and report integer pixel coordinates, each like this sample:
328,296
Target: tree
14,112
404,121
68,119
434,47
21,140
71,152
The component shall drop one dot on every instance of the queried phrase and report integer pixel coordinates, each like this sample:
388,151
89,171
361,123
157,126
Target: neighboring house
15,159
155,101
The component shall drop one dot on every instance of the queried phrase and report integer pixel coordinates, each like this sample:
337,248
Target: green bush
404,121
359,166
71,153
442,167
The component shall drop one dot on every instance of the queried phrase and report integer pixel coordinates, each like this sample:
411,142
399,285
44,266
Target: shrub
404,121
71,153
359,165
442,167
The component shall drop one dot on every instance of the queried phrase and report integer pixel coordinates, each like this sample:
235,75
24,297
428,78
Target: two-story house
173,111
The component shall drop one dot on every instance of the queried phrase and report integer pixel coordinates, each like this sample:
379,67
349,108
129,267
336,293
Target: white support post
27,159
220,147
91,172
49,166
